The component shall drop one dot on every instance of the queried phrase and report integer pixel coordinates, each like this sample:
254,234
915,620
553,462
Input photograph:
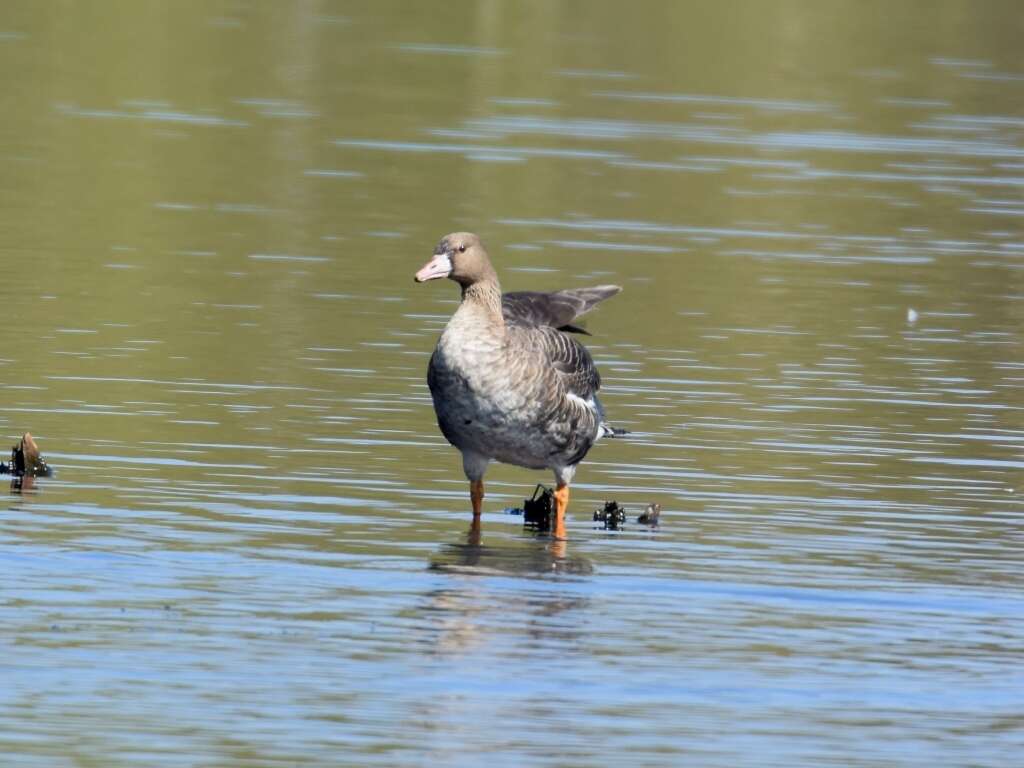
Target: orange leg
561,504
473,535
476,496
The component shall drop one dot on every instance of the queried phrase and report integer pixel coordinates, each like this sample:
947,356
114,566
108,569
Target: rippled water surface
255,550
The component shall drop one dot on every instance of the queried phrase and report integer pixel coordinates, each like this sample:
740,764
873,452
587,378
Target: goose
508,381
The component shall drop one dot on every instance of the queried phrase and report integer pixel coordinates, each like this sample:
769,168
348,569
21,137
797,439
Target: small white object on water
911,315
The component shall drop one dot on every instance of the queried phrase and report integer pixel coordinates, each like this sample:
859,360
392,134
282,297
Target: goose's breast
492,408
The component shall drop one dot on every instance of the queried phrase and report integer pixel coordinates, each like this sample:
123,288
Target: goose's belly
500,425
490,403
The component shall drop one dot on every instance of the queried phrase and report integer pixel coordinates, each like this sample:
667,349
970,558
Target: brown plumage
507,384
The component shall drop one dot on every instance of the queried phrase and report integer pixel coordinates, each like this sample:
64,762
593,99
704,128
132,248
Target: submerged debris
25,462
611,516
650,515
539,510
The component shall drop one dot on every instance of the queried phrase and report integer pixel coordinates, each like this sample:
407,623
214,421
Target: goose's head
459,256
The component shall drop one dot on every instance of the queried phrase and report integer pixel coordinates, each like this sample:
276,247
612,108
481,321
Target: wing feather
557,310
569,359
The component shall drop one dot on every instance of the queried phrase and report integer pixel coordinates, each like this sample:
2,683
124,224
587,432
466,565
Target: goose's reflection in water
528,555
479,607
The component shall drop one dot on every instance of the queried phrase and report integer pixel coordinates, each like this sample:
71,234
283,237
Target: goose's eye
462,249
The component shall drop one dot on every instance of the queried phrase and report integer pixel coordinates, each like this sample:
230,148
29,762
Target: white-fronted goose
508,384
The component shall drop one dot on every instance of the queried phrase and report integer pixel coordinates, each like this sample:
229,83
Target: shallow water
255,553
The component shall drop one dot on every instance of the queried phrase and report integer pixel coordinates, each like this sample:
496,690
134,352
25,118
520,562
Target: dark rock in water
650,515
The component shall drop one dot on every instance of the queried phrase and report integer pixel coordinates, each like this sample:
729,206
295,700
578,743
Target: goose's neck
483,298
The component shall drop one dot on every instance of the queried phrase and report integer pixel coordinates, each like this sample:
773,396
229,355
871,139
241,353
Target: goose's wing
557,310
574,364
573,427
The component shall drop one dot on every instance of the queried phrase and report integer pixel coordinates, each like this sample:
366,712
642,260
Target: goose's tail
607,430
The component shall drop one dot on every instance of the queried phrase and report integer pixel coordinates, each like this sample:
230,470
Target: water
255,550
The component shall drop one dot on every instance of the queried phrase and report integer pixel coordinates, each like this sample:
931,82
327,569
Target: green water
254,552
